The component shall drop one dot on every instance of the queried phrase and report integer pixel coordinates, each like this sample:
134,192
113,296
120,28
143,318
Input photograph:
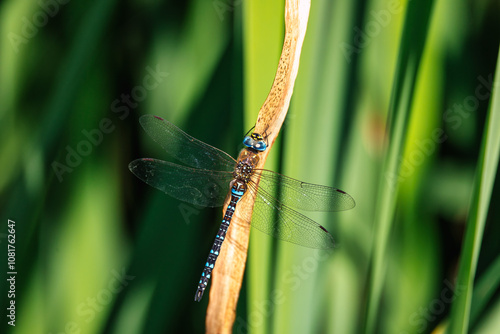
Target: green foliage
485,178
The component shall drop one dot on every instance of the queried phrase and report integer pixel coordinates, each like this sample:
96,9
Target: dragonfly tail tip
198,295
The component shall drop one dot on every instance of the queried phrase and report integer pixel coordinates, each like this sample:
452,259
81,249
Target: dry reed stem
228,273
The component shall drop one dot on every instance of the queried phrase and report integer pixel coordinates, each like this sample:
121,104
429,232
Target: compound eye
247,141
260,146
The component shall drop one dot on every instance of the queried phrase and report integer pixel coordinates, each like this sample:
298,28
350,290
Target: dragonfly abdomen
238,189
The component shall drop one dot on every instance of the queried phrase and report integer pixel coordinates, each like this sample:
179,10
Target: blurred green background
391,104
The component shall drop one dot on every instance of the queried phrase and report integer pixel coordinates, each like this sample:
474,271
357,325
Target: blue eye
260,146
257,145
247,141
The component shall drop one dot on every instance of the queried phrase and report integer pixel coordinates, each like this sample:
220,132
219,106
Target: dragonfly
210,175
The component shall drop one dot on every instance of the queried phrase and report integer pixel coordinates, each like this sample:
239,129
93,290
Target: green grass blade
76,63
262,45
484,290
413,39
485,177
314,145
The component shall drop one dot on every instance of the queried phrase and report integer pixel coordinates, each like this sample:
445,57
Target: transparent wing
273,218
302,195
185,148
196,186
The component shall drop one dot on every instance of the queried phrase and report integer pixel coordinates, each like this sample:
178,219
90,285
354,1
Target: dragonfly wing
185,148
302,195
195,186
273,218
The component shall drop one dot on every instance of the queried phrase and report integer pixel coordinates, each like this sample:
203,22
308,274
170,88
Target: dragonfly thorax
243,171
244,167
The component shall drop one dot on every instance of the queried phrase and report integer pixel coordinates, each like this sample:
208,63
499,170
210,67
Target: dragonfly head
255,141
